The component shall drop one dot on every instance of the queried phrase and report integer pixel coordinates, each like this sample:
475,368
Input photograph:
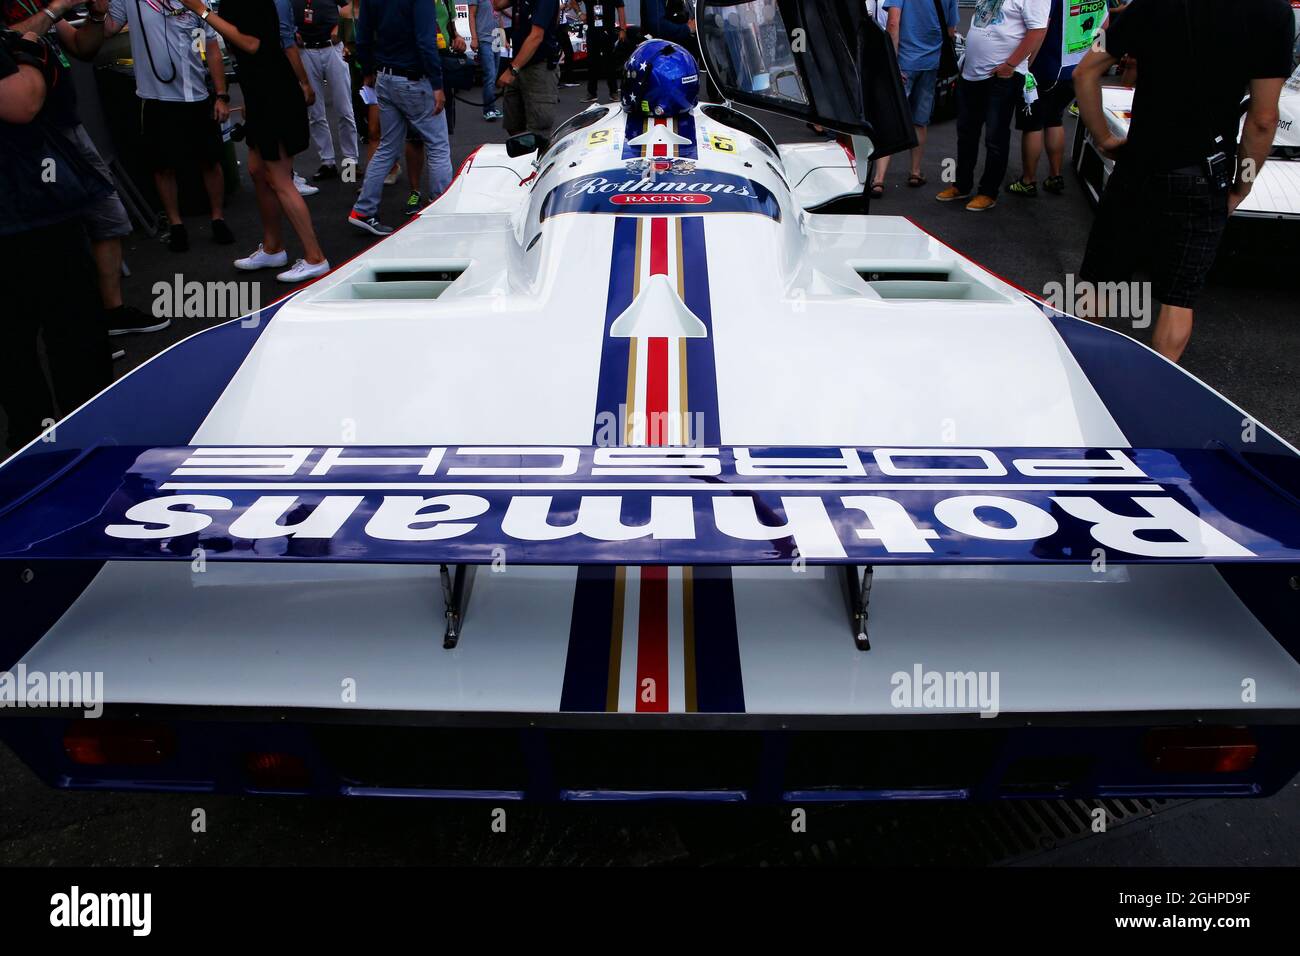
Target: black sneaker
128,320
370,224
326,171
178,240
221,233
1054,184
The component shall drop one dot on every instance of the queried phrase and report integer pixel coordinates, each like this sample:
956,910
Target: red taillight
118,742
1201,749
276,771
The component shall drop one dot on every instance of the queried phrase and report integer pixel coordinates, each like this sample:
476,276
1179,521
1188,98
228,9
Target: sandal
915,180
877,190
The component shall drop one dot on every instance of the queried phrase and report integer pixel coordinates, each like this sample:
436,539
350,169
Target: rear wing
728,505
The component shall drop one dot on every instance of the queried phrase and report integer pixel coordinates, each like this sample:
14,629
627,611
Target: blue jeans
487,56
987,106
403,101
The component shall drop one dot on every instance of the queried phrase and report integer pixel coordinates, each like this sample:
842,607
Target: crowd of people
301,65
1180,173
305,68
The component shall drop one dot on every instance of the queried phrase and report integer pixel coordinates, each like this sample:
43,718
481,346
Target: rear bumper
608,757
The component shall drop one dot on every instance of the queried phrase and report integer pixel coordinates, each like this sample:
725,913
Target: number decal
598,137
723,144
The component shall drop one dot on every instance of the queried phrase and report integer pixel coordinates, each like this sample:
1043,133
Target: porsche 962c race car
631,469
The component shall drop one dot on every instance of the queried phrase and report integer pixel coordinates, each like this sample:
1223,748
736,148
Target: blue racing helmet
660,79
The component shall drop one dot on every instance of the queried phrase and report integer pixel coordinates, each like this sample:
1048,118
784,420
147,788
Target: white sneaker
304,188
303,270
261,259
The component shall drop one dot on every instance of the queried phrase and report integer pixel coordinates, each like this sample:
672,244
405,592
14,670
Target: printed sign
1083,20
680,187
651,505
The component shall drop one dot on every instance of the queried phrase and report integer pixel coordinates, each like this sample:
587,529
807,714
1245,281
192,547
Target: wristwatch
513,71
205,14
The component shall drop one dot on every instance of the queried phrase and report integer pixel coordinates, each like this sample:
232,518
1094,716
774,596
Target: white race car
623,473
1276,193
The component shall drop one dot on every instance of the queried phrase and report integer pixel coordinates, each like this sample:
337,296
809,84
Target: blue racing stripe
702,375
719,687
611,390
586,669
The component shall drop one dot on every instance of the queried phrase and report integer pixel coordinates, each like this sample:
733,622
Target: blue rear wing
618,505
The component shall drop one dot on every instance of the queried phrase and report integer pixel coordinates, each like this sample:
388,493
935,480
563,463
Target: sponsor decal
678,505
661,199
605,192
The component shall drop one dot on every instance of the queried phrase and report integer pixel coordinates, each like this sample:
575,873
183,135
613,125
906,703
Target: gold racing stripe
688,637
615,640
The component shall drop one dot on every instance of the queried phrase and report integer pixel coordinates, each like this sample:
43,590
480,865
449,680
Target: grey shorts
105,218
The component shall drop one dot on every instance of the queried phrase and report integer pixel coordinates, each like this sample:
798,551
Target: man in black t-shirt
606,26
1181,172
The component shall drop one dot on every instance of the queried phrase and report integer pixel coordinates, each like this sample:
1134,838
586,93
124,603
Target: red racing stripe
652,642
652,632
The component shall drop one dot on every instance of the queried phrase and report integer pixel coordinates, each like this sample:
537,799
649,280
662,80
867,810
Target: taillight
1201,749
276,771
118,742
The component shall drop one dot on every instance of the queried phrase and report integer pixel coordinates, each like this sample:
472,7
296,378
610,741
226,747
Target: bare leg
108,270
919,149
164,181
1055,149
1173,329
268,205
1031,147
882,166
214,184
279,175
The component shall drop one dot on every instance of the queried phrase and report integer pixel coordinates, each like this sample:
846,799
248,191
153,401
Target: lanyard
55,47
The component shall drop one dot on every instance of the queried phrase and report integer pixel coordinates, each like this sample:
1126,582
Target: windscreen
749,47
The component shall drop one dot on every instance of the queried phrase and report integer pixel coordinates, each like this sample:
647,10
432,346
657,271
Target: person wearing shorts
180,123
1188,161
1070,34
918,32
105,219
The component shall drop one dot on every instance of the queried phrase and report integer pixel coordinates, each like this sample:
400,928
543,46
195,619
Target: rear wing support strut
455,598
857,591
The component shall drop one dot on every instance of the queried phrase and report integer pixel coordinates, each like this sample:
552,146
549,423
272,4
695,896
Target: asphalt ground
1246,345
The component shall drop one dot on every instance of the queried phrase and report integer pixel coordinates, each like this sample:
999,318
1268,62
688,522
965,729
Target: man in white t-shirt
1003,35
